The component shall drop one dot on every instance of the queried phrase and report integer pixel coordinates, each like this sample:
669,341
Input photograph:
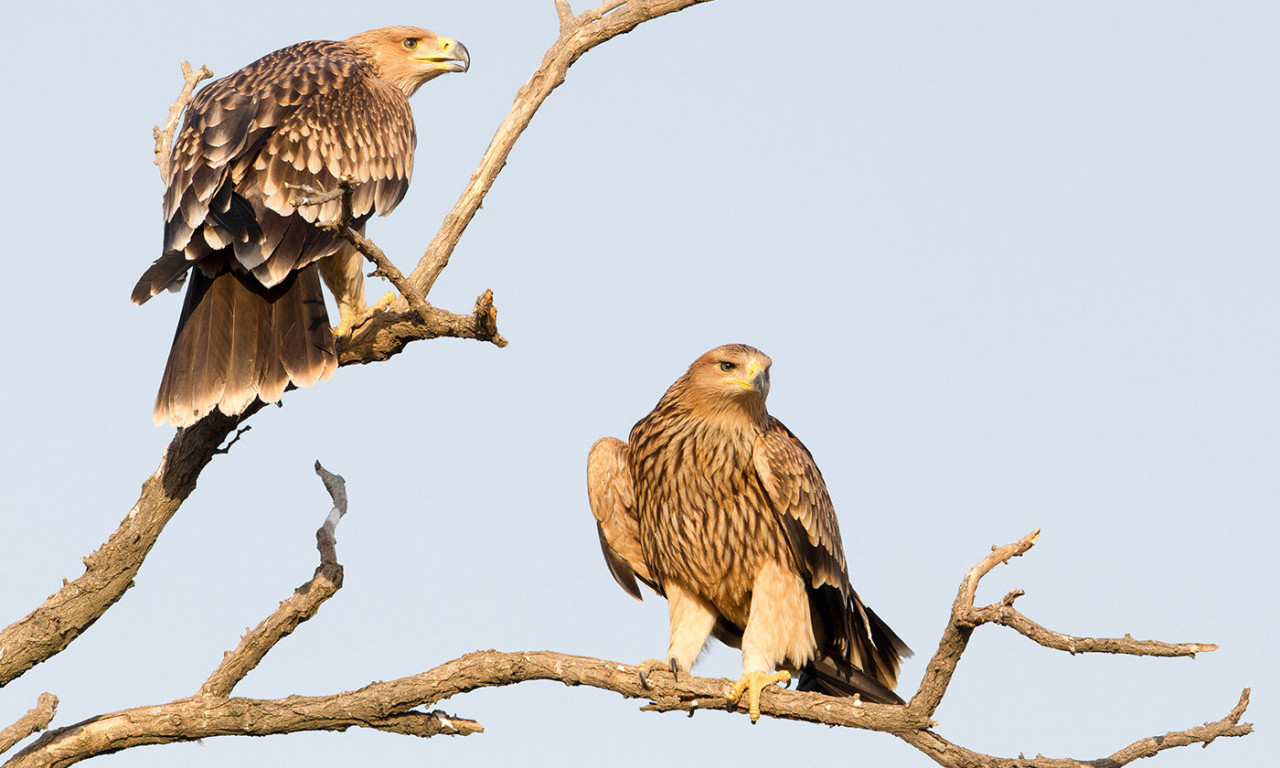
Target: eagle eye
411,43
727,366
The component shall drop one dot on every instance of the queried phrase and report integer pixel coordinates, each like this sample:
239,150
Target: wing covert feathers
861,653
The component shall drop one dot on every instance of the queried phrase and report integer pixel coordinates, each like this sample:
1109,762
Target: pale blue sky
1015,264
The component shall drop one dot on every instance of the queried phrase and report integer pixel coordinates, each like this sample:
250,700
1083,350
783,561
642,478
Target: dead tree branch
577,36
164,136
36,719
398,705
110,570
365,247
304,603
965,617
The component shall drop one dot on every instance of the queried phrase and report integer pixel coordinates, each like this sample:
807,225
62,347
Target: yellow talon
753,683
344,327
351,319
383,302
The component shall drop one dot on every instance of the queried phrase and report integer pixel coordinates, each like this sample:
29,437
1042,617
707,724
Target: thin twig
577,36
384,268
1007,615
1204,734
955,637
292,612
951,755
365,247
164,137
565,13
326,535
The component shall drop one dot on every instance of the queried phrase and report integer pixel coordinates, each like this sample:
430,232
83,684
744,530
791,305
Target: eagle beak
451,56
757,378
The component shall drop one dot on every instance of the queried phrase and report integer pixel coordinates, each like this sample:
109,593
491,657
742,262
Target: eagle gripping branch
389,706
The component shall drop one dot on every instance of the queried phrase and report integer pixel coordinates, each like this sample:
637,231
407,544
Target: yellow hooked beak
756,377
449,55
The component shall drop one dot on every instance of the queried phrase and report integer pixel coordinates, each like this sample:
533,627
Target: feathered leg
779,630
343,272
691,621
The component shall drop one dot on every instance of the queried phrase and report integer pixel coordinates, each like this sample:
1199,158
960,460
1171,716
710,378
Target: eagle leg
753,683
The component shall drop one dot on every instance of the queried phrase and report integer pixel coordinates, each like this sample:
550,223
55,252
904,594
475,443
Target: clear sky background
1015,263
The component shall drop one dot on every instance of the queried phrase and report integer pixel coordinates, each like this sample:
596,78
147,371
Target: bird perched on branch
717,506
305,117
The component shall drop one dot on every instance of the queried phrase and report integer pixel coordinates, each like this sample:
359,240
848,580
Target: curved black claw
646,668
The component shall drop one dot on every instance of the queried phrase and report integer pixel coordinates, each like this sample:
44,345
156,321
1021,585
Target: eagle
309,116
717,506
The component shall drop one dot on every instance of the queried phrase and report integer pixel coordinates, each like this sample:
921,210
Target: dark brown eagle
254,320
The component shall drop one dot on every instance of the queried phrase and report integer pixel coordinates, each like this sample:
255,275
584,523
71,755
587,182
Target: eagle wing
613,502
310,114
803,508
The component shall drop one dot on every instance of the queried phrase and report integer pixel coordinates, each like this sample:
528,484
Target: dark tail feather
237,341
857,653
839,678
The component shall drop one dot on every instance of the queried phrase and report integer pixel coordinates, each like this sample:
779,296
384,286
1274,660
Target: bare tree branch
956,636
164,137
577,36
198,718
390,706
946,753
1004,613
385,334
965,617
304,603
394,705
36,719
109,571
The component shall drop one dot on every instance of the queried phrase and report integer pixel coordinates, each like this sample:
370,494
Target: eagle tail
836,677
866,663
238,341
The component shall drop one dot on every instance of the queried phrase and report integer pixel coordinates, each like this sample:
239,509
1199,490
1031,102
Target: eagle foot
753,683
650,666
351,319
